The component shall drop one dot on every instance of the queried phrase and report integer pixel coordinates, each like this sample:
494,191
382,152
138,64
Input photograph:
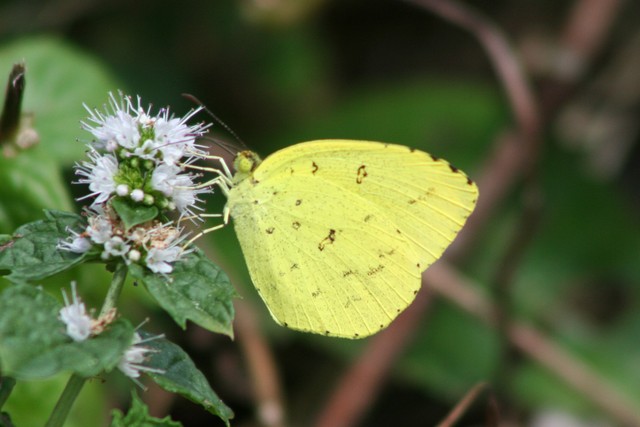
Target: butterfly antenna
216,118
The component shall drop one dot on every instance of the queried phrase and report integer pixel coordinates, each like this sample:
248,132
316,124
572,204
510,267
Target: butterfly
336,233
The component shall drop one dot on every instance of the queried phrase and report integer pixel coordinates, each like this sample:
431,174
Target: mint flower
162,138
132,362
75,317
141,156
100,174
143,159
77,243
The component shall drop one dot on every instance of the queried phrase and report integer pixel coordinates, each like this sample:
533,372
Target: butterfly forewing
427,198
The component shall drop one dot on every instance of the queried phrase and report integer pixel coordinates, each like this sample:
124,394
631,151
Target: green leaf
196,290
33,342
133,214
180,375
31,182
138,416
59,79
32,253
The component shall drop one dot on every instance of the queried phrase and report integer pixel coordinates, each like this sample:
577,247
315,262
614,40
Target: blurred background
534,315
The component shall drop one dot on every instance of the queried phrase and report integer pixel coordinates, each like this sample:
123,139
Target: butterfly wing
321,262
335,233
428,199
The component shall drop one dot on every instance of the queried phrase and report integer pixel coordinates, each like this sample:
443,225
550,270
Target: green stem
114,290
71,391
6,386
75,383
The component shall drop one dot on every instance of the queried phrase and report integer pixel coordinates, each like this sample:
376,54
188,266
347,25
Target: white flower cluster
142,160
142,157
153,244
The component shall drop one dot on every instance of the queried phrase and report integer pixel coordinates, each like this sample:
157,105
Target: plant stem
114,290
75,383
6,386
68,396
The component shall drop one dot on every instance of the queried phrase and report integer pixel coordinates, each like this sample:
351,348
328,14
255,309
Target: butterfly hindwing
321,261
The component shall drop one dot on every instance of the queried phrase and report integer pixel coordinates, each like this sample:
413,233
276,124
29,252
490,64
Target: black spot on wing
270,230
375,270
331,237
454,169
361,174
295,225
298,202
314,168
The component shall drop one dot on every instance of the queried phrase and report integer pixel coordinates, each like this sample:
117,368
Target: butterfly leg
225,215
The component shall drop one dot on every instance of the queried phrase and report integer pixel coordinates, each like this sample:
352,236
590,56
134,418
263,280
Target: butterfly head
245,163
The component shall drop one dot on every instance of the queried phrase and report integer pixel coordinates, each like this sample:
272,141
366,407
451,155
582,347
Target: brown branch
463,405
360,385
504,60
583,36
262,367
533,343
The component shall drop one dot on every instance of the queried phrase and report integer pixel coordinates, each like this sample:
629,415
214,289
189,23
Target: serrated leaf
180,375
197,290
32,253
138,416
33,342
133,215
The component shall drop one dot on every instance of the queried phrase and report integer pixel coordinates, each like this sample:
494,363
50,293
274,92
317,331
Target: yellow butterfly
336,233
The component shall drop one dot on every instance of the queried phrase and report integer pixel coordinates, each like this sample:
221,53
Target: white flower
75,316
137,195
134,255
164,249
132,361
184,194
122,190
100,229
142,134
78,243
100,175
163,177
158,259
117,126
174,138
178,187
115,246
147,150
